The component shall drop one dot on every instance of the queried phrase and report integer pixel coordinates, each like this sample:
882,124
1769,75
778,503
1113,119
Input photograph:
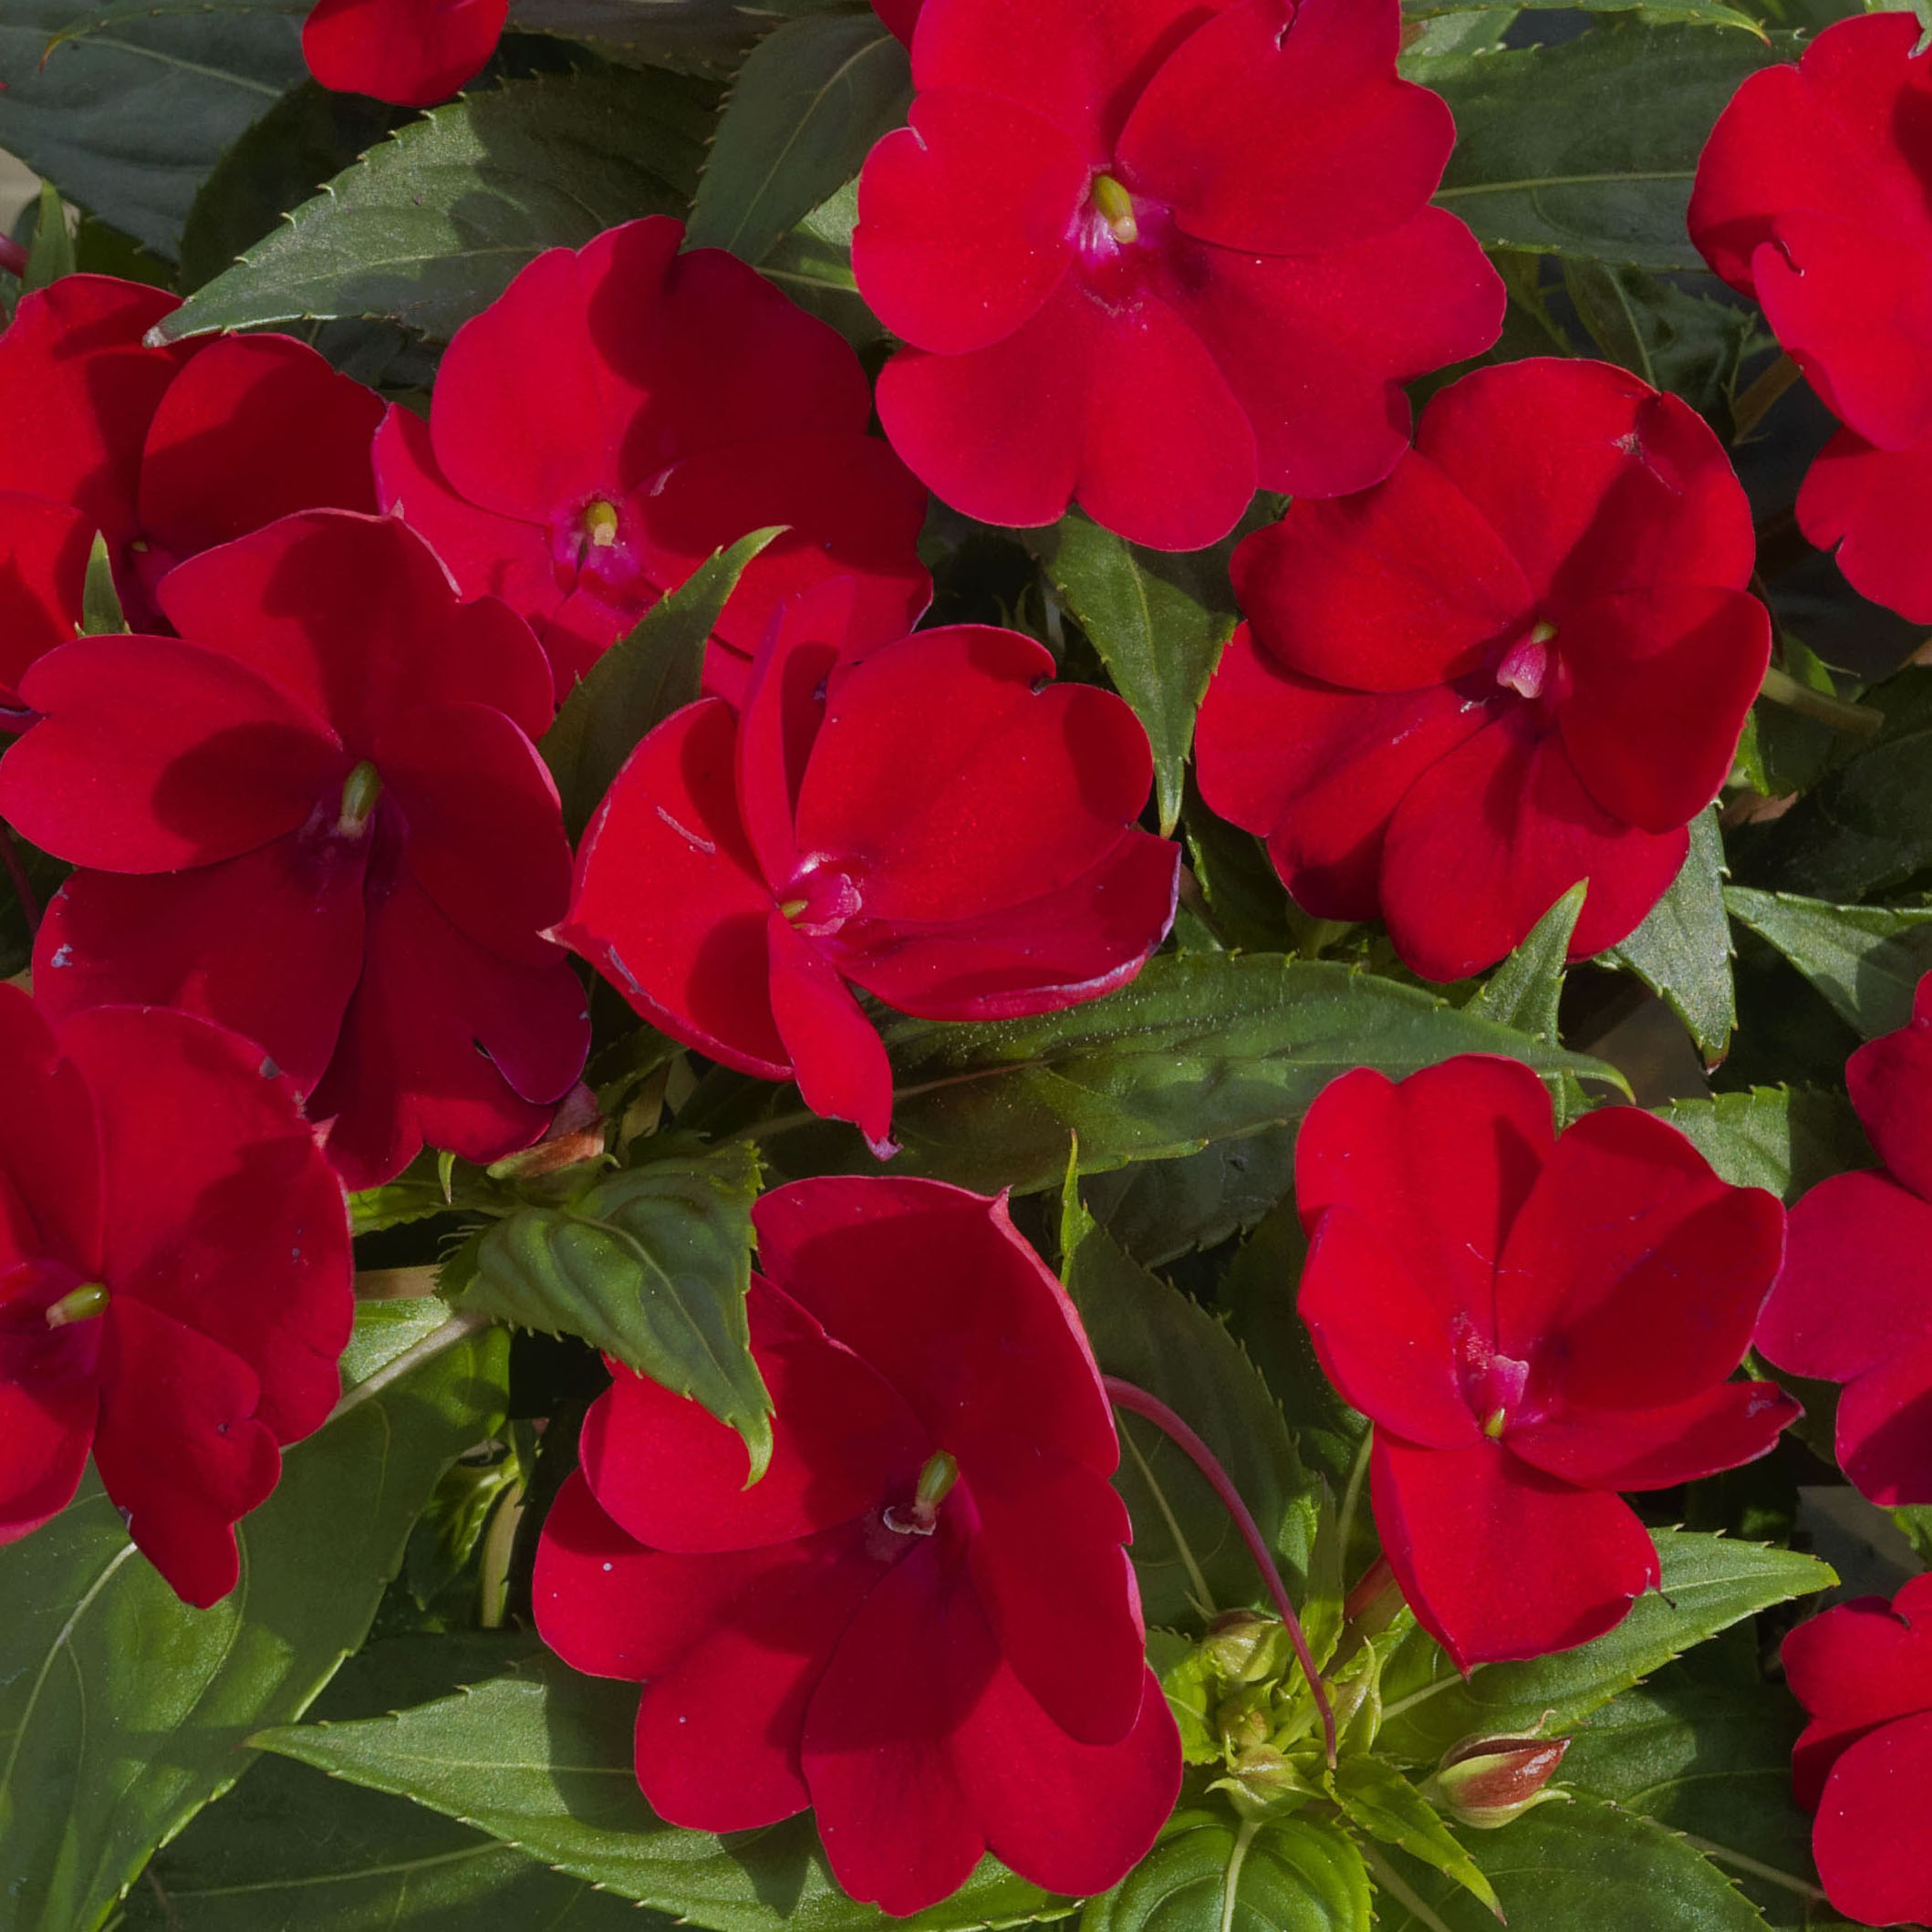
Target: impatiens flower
412,52
175,1278
1814,194
921,1621
1153,255
1521,661
1863,1764
937,821
620,413
1853,1302
900,16
1533,1323
317,817
164,451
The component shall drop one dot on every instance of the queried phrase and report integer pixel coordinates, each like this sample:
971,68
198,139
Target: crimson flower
899,16
620,413
175,1278
412,52
164,451
1152,255
937,821
1814,194
921,1621
1853,1302
1522,661
317,817
1863,1764
1532,1322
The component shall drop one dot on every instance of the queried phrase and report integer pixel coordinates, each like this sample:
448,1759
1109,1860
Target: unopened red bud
1486,1781
576,1134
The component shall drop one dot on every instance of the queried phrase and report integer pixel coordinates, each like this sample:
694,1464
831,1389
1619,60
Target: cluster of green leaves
448,1770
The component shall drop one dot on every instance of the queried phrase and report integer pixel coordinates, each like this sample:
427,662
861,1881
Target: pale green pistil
1116,209
935,1484
360,791
79,1305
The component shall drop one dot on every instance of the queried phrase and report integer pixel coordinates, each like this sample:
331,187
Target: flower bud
1244,1717
1241,1647
1266,1782
1486,1781
576,1134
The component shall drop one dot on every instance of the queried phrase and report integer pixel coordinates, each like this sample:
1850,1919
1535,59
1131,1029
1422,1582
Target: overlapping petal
1867,503
412,52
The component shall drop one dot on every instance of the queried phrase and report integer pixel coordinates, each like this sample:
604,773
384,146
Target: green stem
1754,405
1783,688
1770,1873
1386,1875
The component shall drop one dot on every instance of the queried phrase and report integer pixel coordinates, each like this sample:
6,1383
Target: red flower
1152,254
900,16
1532,1323
1863,1764
175,1279
317,818
937,821
1853,1302
165,452
1521,661
921,1621
619,413
1812,195
413,53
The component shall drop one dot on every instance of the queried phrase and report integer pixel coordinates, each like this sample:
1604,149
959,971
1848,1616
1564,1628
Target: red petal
670,904
1318,771
1884,1438
1661,683
153,754
445,1043
1826,134
1500,1562
1400,587
1870,505
179,1449
1128,411
1081,940
235,1226
49,1145
1021,785
1487,840
47,1428
844,1445
1655,1448
1873,1839
1856,1284
412,52
1595,482
1888,1079
80,390
1051,1569
966,220
1315,349
1292,139
255,428
1385,1338
1860,1664
42,572
837,1058
485,835
269,944
355,618
937,1290
1633,1276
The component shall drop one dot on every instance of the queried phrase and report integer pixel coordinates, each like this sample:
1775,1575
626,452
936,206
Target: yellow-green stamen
79,1305
1117,208
360,790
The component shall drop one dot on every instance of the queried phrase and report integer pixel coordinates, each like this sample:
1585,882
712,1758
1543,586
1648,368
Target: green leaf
1161,1209
101,611
1712,1761
1783,1139
802,116
1187,1551
132,121
1210,1874
1590,148
649,1265
1697,12
429,227
1199,1049
1674,339
1709,1582
1585,1868
1867,960
122,1711
50,253
544,1760
1379,1799
639,681
1159,622
1524,991
813,264
1682,950
687,35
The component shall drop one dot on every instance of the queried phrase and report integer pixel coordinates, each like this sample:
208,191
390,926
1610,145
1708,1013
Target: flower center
79,1305
820,898
600,523
1115,207
1525,667
935,1484
360,792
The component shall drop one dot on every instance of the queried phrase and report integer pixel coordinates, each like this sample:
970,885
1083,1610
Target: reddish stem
16,874
1136,1401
